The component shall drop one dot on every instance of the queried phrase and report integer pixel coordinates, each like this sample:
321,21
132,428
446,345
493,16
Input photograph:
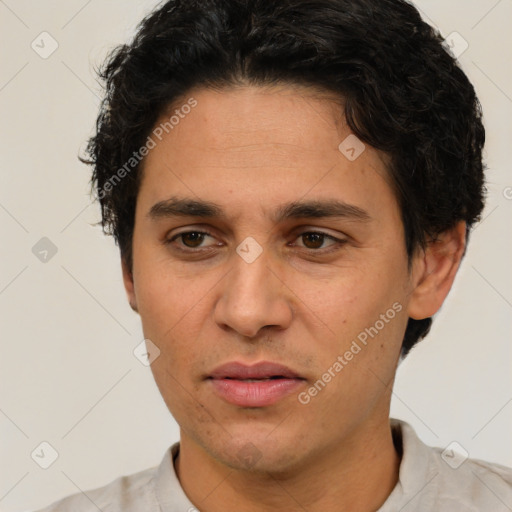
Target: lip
274,382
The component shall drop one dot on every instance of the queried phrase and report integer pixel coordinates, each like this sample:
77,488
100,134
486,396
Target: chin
259,454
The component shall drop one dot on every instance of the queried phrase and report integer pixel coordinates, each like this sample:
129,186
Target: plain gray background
68,373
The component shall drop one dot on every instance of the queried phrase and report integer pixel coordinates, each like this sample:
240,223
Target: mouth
259,385
274,377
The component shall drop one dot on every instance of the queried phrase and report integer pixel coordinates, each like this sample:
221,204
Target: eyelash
334,247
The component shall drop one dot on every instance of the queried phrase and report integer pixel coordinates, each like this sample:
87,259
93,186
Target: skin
301,303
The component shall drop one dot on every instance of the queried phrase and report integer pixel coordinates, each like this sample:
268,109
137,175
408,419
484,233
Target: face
298,258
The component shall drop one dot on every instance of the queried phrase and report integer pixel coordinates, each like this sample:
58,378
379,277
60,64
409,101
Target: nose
253,296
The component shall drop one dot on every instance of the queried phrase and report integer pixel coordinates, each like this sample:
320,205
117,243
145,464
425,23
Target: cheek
161,298
349,301
170,319
363,315
173,312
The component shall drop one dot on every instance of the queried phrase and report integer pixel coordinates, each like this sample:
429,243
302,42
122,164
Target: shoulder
448,480
127,493
482,485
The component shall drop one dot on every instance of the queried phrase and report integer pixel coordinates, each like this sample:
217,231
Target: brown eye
192,238
314,240
189,240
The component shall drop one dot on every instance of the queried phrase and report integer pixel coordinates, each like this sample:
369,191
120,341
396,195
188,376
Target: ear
434,271
129,285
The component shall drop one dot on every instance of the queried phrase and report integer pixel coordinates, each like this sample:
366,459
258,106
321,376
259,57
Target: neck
358,473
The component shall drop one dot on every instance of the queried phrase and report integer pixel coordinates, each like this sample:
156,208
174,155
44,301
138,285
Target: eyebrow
326,208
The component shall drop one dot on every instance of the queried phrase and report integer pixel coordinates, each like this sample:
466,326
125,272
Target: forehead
271,144
245,123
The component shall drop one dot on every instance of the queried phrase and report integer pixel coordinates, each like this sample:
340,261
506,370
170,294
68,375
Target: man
291,185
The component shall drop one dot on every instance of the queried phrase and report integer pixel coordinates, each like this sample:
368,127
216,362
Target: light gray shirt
430,479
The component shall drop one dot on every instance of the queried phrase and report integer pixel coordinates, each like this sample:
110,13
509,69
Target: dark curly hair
403,93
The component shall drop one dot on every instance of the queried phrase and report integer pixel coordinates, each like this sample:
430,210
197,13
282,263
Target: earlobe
129,285
434,271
